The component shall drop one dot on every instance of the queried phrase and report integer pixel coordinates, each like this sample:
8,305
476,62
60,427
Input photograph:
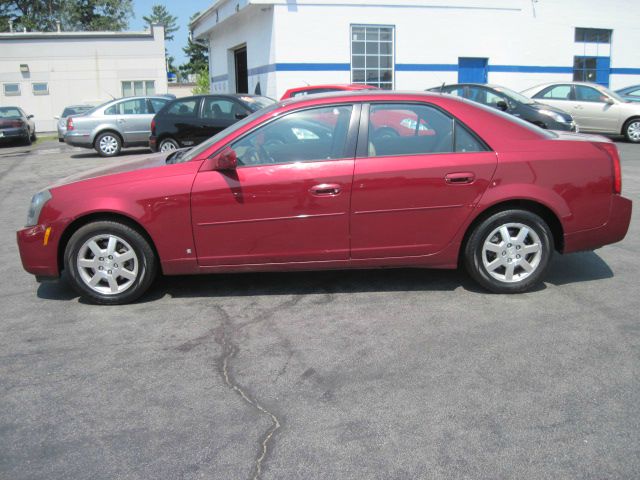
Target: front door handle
459,178
326,189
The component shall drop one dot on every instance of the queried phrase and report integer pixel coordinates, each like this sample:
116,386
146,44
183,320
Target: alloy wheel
107,264
108,144
633,131
511,252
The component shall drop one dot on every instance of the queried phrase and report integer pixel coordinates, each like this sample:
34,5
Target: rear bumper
37,258
153,143
611,232
78,139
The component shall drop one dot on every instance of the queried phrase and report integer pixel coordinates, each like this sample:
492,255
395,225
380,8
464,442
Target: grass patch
46,137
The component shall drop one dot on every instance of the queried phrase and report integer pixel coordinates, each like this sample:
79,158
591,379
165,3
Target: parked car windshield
256,103
194,152
9,112
518,97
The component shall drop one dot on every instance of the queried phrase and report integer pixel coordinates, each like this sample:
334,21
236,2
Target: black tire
491,269
108,144
27,140
631,130
144,263
168,144
33,136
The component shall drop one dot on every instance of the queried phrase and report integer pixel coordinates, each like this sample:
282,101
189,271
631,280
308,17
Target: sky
183,9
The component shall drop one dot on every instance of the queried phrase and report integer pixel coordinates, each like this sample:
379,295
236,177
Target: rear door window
413,129
157,104
222,109
136,106
183,108
559,92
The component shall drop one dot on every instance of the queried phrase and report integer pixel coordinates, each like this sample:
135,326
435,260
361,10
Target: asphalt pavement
390,374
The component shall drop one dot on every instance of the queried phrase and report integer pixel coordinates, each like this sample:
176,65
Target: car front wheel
109,263
168,144
509,252
108,144
632,130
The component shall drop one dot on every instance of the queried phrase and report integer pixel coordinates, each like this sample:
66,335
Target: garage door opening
242,77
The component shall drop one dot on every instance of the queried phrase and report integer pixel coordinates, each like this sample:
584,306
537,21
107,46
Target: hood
155,160
543,106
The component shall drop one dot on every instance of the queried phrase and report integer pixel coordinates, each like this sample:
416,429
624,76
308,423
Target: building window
138,87
591,69
593,35
372,55
40,88
11,89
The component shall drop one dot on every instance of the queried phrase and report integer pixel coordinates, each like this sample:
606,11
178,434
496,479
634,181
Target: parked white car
594,108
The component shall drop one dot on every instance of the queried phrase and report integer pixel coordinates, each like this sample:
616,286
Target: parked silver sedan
125,122
594,108
67,112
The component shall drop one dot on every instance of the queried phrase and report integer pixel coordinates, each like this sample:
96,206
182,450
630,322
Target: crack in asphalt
223,338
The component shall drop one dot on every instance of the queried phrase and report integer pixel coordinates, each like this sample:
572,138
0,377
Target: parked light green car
594,108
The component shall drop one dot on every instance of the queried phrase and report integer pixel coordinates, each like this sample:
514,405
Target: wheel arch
97,217
108,130
627,121
548,215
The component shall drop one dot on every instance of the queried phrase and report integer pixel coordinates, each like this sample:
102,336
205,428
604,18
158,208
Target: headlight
37,202
555,115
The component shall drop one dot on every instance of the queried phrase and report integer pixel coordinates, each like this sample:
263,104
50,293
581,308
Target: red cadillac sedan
325,183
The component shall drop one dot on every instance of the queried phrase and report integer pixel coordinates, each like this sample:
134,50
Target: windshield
518,97
9,112
256,103
194,152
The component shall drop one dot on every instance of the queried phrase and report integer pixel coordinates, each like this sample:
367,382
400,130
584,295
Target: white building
42,72
418,44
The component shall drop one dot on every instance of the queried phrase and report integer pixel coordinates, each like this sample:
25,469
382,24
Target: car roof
362,95
224,95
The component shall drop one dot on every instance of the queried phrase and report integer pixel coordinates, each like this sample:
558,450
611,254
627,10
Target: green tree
97,15
198,58
73,15
202,82
160,14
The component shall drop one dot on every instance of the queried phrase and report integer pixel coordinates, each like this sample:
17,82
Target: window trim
393,52
350,143
4,89
362,150
144,86
33,91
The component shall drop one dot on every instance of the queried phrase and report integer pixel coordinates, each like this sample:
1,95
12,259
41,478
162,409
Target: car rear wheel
509,252
108,144
109,263
168,144
33,136
632,130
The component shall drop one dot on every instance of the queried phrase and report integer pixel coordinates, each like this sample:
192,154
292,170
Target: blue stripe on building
416,67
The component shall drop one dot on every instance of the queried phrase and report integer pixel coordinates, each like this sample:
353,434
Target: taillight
69,124
612,151
16,124
153,126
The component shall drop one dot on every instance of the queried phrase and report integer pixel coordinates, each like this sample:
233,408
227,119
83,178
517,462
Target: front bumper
38,258
614,230
78,139
13,133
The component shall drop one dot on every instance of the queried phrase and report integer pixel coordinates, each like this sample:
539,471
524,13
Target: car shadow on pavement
123,153
575,268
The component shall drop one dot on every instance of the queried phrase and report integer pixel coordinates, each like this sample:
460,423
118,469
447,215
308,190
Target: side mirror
502,105
607,100
225,160
29,116
240,116
56,117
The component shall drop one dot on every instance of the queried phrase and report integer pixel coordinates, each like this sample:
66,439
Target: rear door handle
325,189
459,178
